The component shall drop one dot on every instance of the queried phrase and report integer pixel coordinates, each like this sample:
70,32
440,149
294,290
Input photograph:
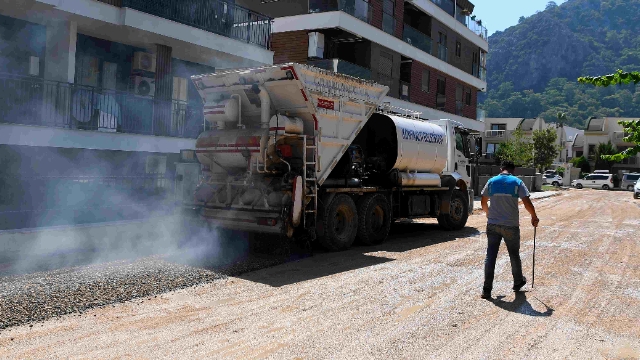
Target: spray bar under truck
300,151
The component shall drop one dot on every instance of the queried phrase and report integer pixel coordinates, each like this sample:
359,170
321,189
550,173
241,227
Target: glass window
467,96
426,79
459,143
388,18
441,98
492,148
458,49
633,177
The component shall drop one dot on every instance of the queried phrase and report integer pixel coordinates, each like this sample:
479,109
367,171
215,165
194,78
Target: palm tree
604,149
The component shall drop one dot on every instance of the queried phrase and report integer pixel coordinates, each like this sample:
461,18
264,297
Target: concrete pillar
60,58
162,112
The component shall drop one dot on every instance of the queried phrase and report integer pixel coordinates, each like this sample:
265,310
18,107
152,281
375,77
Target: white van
595,181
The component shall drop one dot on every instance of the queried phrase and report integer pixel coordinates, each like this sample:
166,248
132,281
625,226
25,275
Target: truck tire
458,213
374,220
339,224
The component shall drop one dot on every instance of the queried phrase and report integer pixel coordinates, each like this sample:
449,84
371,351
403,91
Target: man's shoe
517,288
485,294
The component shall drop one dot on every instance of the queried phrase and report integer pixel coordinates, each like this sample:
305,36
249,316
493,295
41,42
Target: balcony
215,16
630,161
416,38
342,67
476,27
618,137
447,5
494,135
31,101
481,114
359,9
443,53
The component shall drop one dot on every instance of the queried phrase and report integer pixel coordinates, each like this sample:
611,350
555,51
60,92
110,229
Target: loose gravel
46,294
43,295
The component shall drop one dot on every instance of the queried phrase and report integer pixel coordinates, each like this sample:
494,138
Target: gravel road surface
416,297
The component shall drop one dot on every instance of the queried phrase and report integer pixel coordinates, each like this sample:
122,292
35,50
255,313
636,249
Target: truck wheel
458,214
374,220
339,224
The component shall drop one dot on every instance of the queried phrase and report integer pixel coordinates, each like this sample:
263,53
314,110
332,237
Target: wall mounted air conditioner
316,45
143,86
144,61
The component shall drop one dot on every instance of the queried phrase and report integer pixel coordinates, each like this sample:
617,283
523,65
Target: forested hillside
533,66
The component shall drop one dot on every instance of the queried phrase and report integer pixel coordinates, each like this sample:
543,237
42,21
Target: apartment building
604,130
430,53
96,94
499,130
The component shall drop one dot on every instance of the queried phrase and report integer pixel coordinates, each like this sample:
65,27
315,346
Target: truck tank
413,152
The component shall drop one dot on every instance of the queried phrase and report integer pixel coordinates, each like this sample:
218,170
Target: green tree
604,153
545,148
631,128
582,163
517,149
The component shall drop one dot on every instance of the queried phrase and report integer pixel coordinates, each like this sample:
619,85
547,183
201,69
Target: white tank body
422,147
231,149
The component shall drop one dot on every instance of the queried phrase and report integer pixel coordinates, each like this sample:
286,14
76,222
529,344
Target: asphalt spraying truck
304,152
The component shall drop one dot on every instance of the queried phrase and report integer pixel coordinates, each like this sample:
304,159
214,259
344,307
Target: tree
551,5
521,19
517,149
545,148
582,163
604,152
631,128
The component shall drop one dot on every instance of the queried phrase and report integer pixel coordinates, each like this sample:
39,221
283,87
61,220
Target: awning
466,5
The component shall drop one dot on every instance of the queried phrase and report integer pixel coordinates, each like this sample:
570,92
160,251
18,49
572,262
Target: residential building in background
430,53
96,98
499,130
604,130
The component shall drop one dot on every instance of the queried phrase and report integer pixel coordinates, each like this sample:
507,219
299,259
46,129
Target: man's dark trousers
511,236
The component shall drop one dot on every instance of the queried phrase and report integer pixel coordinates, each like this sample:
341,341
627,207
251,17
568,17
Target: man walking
503,223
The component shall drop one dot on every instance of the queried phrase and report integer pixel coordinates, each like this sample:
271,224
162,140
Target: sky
497,15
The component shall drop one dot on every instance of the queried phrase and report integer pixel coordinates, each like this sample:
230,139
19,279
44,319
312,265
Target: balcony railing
342,67
416,38
56,104
443,52
630,161
405,90
476,27
359,9
481,114
214,16
495,134
482,75
619,136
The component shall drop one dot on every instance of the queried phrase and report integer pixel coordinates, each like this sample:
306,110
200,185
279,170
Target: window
459,143
426,80
442,46
388,16
498,126
458,49
492,148
467,96
441,97
385,68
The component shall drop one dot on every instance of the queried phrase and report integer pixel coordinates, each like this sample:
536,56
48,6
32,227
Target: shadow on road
403,237
522,306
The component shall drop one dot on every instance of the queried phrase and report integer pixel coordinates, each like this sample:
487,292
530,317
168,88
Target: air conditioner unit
144,86
144,61
316,45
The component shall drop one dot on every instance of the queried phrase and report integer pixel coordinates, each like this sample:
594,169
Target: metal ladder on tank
312,182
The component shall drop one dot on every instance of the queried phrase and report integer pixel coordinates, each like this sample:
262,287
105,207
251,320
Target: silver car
629,180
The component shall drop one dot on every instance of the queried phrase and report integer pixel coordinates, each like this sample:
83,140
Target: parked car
636,191
629,180
595,181
555,180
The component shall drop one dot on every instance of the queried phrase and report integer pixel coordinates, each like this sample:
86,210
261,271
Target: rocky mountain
533,66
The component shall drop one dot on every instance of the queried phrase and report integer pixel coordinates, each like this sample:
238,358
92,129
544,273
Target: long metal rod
533,274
